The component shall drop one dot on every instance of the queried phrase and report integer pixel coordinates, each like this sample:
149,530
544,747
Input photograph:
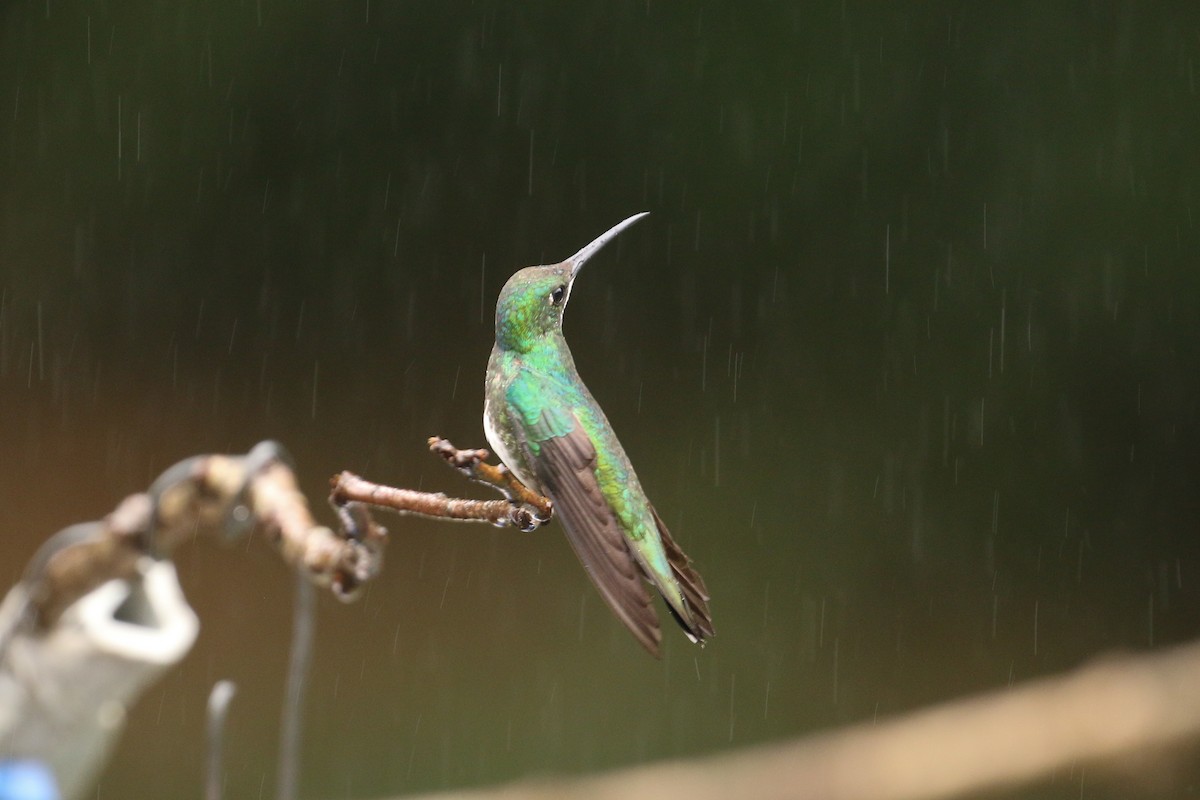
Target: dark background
906,353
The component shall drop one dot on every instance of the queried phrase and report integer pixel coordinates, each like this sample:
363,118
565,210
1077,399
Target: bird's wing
564,460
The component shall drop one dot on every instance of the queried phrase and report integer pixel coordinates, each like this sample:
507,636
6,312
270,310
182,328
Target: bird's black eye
556,297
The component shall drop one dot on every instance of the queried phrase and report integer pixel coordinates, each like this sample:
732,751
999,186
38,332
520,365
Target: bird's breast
500,437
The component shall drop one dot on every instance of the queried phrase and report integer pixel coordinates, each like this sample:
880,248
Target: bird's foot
473,464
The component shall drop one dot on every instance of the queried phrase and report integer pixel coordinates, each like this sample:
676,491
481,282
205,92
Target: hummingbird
548,430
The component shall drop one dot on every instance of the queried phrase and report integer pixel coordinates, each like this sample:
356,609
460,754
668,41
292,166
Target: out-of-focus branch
98,614
1102,712
522,508
220,495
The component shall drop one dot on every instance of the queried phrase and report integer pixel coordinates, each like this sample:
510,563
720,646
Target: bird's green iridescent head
531,303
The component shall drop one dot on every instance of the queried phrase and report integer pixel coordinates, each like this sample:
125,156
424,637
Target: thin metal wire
218,709
304,625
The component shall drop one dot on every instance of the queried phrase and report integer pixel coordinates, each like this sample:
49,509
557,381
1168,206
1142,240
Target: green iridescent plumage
548,429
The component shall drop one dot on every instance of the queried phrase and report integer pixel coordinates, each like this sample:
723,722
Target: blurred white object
64,692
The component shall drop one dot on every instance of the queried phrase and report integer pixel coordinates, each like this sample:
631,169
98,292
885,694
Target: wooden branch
229,496
350,488
522,508
226,496
1101,713
472,463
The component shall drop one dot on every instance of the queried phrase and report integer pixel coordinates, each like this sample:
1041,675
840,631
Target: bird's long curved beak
579,259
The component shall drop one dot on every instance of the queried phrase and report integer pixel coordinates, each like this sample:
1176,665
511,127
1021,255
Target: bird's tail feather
695,619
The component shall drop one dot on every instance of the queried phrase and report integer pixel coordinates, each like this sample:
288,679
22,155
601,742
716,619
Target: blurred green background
906,353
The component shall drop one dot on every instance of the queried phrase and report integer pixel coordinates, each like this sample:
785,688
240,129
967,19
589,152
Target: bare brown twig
229,496
523,508
473,464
